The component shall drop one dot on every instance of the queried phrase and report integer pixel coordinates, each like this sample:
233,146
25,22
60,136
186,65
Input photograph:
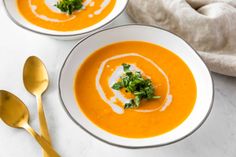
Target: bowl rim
134,147
60,35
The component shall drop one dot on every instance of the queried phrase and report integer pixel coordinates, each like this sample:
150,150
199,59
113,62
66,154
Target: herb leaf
69,6
156,97
128,105
136,84
137,100
126,67
117,85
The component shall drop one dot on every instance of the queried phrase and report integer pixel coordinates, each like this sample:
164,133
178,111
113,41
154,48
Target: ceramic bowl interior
137,33
17,18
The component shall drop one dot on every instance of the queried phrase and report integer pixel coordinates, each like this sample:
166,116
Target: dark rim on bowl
53,35
123,146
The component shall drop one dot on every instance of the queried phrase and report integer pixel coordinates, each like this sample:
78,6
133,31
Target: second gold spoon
15,114
36,81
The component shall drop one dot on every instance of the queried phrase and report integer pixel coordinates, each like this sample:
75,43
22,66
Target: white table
217,137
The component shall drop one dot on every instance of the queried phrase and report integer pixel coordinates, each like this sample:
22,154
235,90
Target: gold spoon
15,114
36,81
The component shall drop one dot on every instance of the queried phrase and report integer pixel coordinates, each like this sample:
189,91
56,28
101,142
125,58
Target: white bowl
149,34
14,14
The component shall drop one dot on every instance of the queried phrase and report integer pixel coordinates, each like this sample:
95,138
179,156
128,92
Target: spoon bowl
12,110
35,76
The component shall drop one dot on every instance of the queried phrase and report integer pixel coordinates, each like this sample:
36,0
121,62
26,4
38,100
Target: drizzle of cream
115,76
102,7
117,109
90,15
50,5
167,102
34,8
92,4
87,2
161,108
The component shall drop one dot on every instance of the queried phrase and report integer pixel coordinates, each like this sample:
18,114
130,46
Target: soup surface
44,14
104,106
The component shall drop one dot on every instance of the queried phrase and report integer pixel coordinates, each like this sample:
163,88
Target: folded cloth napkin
208,25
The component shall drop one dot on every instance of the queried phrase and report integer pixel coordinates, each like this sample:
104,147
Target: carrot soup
159,95
45,14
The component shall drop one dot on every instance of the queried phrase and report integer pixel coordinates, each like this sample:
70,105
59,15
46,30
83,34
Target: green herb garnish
69,6
136,84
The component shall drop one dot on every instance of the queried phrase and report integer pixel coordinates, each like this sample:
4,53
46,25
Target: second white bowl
14,14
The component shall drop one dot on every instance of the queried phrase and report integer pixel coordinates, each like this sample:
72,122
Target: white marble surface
217,137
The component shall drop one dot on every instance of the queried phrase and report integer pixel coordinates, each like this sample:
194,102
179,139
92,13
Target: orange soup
104,106
44,14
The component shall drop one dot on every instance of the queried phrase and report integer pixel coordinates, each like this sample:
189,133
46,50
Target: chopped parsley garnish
69,6
136,84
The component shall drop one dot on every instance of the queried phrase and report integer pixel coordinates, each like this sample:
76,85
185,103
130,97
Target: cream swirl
50,4
117,94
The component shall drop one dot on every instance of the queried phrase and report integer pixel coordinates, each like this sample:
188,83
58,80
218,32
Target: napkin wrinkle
216,62
199,3
208,25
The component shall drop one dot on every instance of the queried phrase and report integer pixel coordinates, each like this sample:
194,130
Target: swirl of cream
50,5
115,76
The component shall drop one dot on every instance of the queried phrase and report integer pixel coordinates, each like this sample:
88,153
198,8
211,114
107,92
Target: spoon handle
44,144
43,123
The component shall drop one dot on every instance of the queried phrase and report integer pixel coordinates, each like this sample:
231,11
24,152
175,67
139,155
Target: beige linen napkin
208,25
